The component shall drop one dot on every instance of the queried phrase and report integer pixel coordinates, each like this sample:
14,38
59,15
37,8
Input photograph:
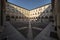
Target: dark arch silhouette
7,18
12,16
46,17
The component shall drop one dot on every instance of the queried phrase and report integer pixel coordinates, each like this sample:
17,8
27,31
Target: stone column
57,13
58,17
3,10
2,13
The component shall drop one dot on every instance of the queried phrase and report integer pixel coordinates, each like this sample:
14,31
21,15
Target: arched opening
12,17
46,17
50,17
16,17
7,18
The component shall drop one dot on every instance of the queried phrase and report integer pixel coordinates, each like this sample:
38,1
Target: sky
29,4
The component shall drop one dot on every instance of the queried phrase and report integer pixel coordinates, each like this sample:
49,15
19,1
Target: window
35,13
16,17
38,12
12,16
55,28
34,17
51,10
7,18
46,17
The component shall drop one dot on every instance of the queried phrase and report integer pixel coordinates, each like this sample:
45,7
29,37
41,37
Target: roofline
28,9
40,6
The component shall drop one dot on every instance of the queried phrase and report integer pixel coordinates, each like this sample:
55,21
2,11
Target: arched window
16,17
36,17
12,16
7,18
50,17
35,13
50,10
38,12
46,17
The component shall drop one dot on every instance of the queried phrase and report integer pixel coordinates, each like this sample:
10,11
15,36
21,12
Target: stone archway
7,18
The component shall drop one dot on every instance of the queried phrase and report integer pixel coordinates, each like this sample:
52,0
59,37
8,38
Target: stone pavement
12,33
45,34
